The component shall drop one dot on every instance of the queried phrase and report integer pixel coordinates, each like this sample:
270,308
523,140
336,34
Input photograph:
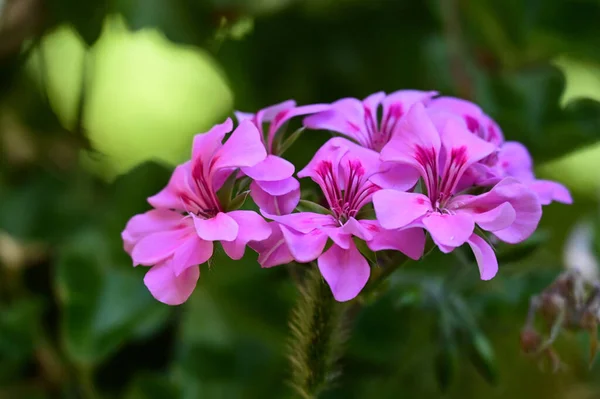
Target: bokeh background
100,98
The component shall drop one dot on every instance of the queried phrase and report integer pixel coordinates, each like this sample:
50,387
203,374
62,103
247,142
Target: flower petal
548,191
523,200
222,227
449,230
243,148
415,134
272,168
206,144
168,288
345,116
279,187
411,241
455,136
304,247
170,197
156,247
498,218
150,222
274,205
345,270
396,209
252,227
304,222
193,252
396,176
485,256
274,250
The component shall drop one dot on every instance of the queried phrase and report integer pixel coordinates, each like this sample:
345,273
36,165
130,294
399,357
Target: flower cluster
406,163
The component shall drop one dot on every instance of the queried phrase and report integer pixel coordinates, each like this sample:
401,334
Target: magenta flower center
376,136
346,195
202,200
440,187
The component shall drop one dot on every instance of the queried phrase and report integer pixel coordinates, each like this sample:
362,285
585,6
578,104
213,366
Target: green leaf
101,306
225,193
87,17
481,355
365,250
446,364
237,202
287,144
309,206
517,252
152,386
19,326
528,110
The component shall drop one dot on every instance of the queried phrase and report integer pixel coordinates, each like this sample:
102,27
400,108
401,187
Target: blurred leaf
102,306
528,110
87,17
517,252
183,21
481,355
446,364
152,386
19,327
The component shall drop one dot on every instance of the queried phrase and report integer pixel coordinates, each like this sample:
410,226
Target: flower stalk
317,337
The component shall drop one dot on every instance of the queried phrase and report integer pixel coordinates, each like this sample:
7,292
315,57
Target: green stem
317,337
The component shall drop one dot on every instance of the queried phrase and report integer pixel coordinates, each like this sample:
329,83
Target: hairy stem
317,337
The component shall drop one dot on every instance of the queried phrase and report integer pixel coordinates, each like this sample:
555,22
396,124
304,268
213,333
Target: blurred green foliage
75,317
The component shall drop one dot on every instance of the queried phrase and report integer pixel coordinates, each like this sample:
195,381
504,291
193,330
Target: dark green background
75,317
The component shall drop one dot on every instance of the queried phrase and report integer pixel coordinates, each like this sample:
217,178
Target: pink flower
342,170
359,121
510,159
178,235
510,210
273,188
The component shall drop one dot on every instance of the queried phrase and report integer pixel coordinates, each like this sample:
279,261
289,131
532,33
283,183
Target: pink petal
304,247
456,136
272,168
548,191
168,288
206,144
449,230
498,218
345,270
342,236
396,176
150,222
252,227
193,252
282,117
346,116
222,227
242,116
415,131
396,104
243,148
279,187
411,241
274,205
170,197
514,160
304,222
158,246
396,209
485,256
523,200
274,250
